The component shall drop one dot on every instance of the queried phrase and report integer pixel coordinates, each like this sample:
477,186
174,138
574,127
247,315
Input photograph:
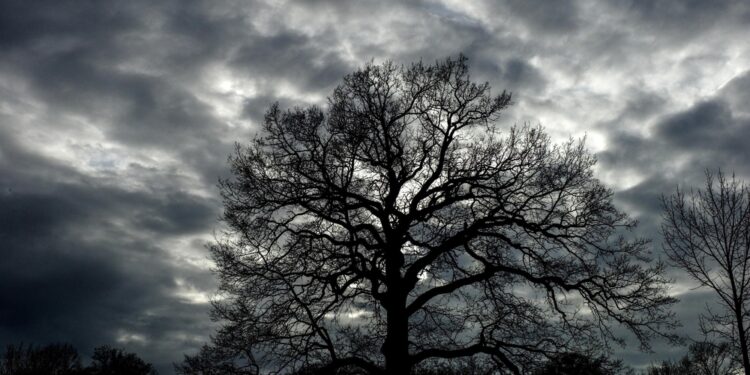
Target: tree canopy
400,226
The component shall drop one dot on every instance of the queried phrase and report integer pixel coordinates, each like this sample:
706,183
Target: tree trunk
743,342
396,346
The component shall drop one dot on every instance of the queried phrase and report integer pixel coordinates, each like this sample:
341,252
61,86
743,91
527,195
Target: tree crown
399,225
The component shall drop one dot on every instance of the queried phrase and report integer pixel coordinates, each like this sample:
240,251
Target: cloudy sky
116,120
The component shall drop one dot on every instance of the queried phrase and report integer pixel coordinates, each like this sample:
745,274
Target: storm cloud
116,120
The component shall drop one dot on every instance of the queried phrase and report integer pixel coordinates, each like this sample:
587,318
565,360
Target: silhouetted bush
53,359
580,364
113,361
63,359
703,358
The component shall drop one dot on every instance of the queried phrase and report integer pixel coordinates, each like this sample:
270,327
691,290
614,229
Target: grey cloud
72,57
291,57
81,261
84,256
548,17
737,93
706,136
674,15
698,126
178,213
513,74
644,198
255,108
22,26
713,135
134,108
642,105
520,75
709,134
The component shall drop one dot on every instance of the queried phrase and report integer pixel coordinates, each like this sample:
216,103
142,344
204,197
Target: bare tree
107,360
582,364
707,233
703,358
399,227
52,359
63,359
713,359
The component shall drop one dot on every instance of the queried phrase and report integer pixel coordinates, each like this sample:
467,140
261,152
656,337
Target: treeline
703,358
63,359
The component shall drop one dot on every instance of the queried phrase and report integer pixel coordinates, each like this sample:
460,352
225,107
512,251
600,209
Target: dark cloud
513,74
697,127
548,17
292,57
708,135
673,15
681,146
81,261
737,92
22,26
255,108
116,121
520,75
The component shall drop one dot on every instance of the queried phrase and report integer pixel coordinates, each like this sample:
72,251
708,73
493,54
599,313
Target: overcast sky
116,119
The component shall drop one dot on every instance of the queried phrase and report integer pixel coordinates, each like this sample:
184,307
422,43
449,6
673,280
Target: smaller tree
52,359
217,360
707,233
703,358
681,367
713,359
63,359
113,361
580,364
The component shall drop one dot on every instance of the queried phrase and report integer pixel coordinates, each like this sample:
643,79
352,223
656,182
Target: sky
117,118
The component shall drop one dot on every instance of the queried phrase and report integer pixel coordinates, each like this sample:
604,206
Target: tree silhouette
713,359
399,227
52,359
580,364
63,359
707,233
464,366
703,358
113,361
225,357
